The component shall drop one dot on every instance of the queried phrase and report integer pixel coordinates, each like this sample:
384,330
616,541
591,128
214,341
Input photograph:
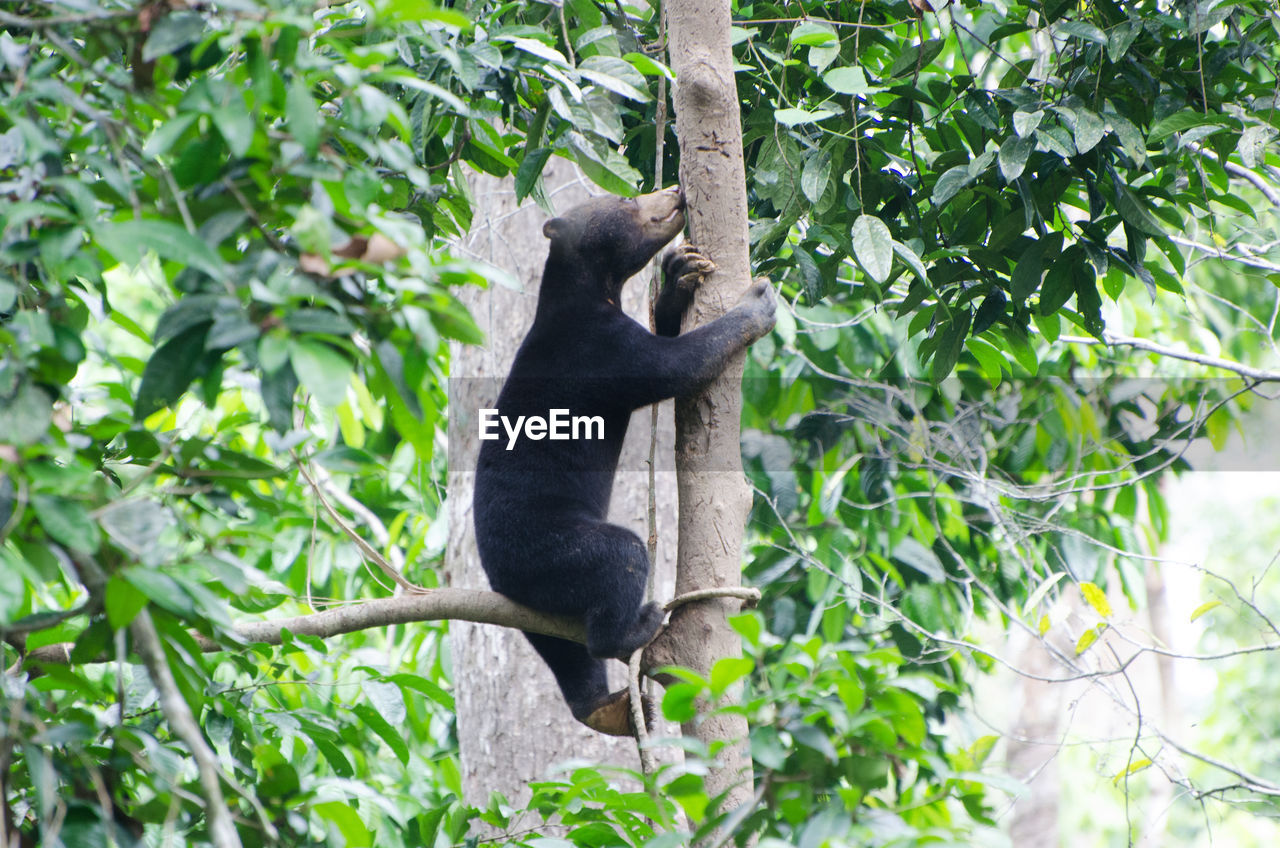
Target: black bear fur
540,508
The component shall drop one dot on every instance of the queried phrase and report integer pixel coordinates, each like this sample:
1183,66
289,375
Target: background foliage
225,297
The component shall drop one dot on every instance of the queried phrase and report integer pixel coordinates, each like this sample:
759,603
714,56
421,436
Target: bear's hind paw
612,715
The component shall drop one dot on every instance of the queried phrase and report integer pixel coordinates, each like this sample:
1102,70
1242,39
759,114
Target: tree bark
714,496
513,725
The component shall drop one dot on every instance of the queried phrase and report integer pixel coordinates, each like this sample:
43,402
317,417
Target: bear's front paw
684,267
761,302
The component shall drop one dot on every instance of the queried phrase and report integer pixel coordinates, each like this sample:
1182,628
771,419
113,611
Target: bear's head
608,239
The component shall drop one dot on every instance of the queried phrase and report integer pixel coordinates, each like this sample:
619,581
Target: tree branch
1242,258
146,641
431,605
1267,189
21,22
1115,340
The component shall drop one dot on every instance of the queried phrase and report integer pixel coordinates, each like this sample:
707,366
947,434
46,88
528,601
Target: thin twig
21,22
361,542
1114,340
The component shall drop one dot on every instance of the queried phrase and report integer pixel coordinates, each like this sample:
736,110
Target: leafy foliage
225,297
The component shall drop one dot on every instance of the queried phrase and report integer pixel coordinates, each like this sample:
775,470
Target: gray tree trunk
1033,749
513,726
714,496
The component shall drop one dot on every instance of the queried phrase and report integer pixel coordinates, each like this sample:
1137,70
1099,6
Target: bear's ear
553,228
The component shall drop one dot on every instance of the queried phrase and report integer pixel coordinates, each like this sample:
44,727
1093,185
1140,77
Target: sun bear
541,498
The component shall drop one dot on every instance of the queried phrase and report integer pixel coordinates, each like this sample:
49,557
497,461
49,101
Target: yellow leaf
1096,598
1090,636
1135,766
1204,608
1044,624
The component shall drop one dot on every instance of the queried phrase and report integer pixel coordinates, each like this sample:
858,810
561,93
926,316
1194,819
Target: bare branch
21,22
428,605
1115,340
146,641
365,548
1268,190
1243,258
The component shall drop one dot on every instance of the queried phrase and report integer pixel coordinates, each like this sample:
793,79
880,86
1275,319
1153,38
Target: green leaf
911,553
1013,157
530,170
171,369
123,602
190,311
728,671
616,75
1030,266
912,260
323,321
990,359
950,184
1207,15
1089,130
1130,137
1185,120
129,241
678,702
1121,38
321,369
648,66
873,247
611,171
1253,144
25,417
302,114
991,311
235,122
951,336
813,32
1133,209
815,175
171,33
137,525
67,522
796,117
1080,29
1057,140
385,731
426,687
915,56
849,81
342,815
535,48
1043,589
1025,123
1060,282
163,137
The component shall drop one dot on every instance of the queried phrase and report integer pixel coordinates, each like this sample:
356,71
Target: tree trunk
714,497
1033,748
513,725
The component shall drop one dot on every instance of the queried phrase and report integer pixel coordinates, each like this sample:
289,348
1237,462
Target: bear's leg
583,683
593,570
581,677
613,581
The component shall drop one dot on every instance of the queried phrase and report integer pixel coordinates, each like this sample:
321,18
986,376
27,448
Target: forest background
1030,269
